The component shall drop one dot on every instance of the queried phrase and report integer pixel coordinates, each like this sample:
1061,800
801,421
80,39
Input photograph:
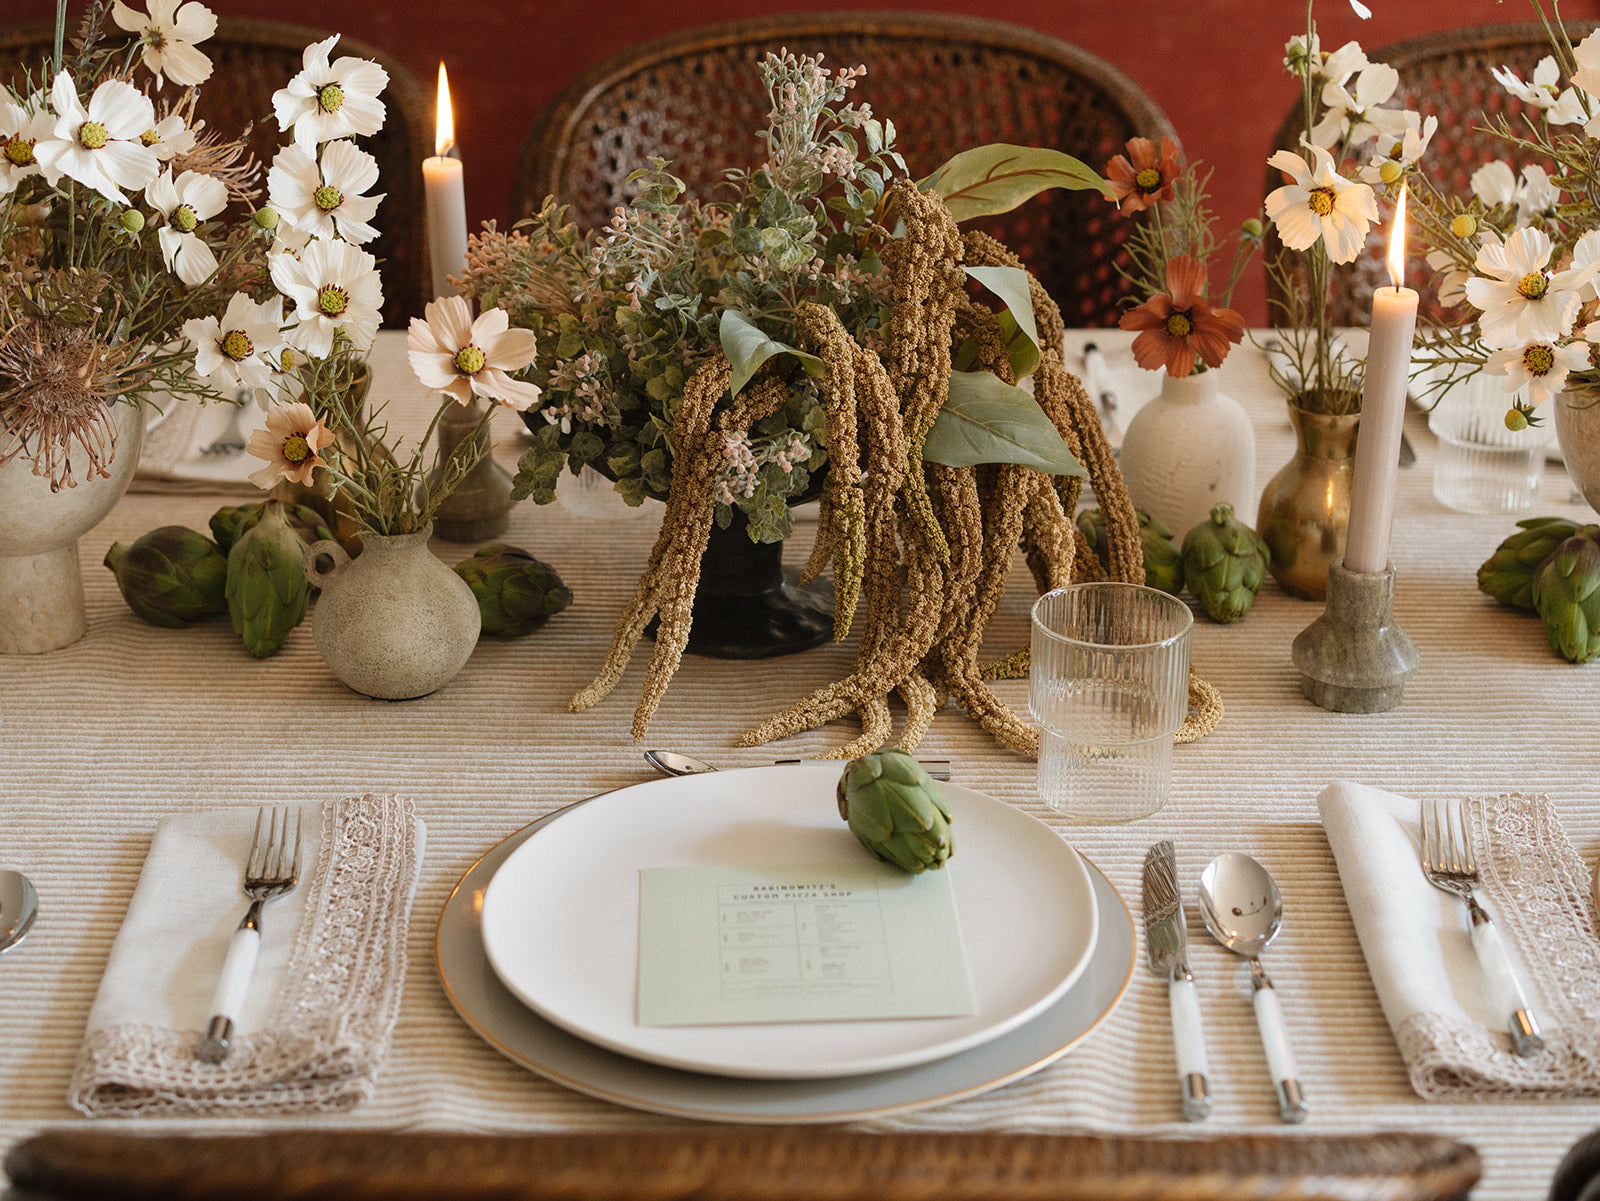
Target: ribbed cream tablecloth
104,737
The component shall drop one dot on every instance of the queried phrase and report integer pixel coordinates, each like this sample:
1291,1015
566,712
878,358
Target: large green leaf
986,420
1010,284
747,348
997,178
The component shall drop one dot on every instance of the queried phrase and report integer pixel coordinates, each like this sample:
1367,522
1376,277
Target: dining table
105,737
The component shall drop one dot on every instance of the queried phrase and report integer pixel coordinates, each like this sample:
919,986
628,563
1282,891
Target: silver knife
1167,945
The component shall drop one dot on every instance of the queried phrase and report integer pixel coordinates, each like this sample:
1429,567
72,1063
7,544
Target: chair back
1446,75
947,82
251,59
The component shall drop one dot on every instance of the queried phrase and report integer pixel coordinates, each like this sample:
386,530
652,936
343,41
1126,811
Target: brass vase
1305,508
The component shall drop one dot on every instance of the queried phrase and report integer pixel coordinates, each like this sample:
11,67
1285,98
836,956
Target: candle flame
1397,241
444,136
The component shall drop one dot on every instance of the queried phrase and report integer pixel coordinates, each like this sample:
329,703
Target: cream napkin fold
1419,950
326,990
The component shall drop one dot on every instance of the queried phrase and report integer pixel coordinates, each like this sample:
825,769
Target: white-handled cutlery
1167,948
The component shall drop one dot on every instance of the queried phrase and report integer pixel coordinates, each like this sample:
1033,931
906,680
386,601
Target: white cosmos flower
325,200
1586,254
1537,194
1344,62
237,351
99,147
170,137
169,35
20,131
1540,367
334,286
327,101
1404,149
1356,114
1320,203
185,203
1561,107
1495,185
1522,301
452,353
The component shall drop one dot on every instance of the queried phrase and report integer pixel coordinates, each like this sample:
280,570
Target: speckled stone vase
41,584
393,623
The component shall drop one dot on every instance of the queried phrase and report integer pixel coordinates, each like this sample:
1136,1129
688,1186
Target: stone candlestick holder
480,507
1354,658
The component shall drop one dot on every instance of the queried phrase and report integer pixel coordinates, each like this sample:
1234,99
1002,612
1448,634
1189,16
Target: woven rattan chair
1446,75
252,59
712,1163
947,82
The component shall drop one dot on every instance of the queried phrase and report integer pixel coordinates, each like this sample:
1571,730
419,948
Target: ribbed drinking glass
1109,687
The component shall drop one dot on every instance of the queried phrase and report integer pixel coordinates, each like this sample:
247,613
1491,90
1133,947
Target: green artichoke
230,522
1507,575
1163,565
896,810
267,588
1224,563
171,576
516,592
1566,592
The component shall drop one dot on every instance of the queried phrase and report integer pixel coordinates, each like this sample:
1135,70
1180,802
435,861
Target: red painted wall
1213,65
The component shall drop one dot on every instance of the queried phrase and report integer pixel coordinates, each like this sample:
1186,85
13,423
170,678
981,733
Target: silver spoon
19,905
671,763
1242,907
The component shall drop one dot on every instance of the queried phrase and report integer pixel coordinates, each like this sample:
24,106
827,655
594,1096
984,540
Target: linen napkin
315,1027
173,459
1419,950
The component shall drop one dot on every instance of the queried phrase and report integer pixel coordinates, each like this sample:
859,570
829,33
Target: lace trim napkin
326,990
1419,951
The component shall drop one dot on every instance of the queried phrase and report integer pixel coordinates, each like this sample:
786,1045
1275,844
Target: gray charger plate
523,1037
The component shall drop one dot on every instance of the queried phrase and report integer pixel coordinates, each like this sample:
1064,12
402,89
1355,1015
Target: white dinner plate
523,1037
561,919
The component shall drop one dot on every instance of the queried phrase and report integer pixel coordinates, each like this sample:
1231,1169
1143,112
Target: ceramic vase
1305,508
393,623
479,508
41,584
1577,422
1188,450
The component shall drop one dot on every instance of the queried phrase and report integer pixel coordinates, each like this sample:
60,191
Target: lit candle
447,199
1383,411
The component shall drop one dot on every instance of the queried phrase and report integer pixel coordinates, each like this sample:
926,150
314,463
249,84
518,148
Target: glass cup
1109,687
1481,466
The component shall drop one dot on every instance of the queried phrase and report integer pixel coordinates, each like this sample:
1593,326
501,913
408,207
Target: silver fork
1449,864
271,871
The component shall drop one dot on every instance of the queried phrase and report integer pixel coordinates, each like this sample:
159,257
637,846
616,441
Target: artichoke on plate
1566,592
1224,564
1163,565
516,592
896,811
171,576
267,588
1507,575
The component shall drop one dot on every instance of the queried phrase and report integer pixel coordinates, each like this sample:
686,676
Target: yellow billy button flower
1464,226
1390,172
132,220
332,300
330,97
1516,420
470,360
236,345
91,135
19,151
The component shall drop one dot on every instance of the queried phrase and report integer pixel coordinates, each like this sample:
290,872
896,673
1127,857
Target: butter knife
1167,945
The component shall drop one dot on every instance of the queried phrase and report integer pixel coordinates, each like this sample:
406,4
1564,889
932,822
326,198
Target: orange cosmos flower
1177,325
1148,178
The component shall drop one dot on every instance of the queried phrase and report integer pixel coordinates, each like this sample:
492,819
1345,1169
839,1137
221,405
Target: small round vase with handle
394,622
